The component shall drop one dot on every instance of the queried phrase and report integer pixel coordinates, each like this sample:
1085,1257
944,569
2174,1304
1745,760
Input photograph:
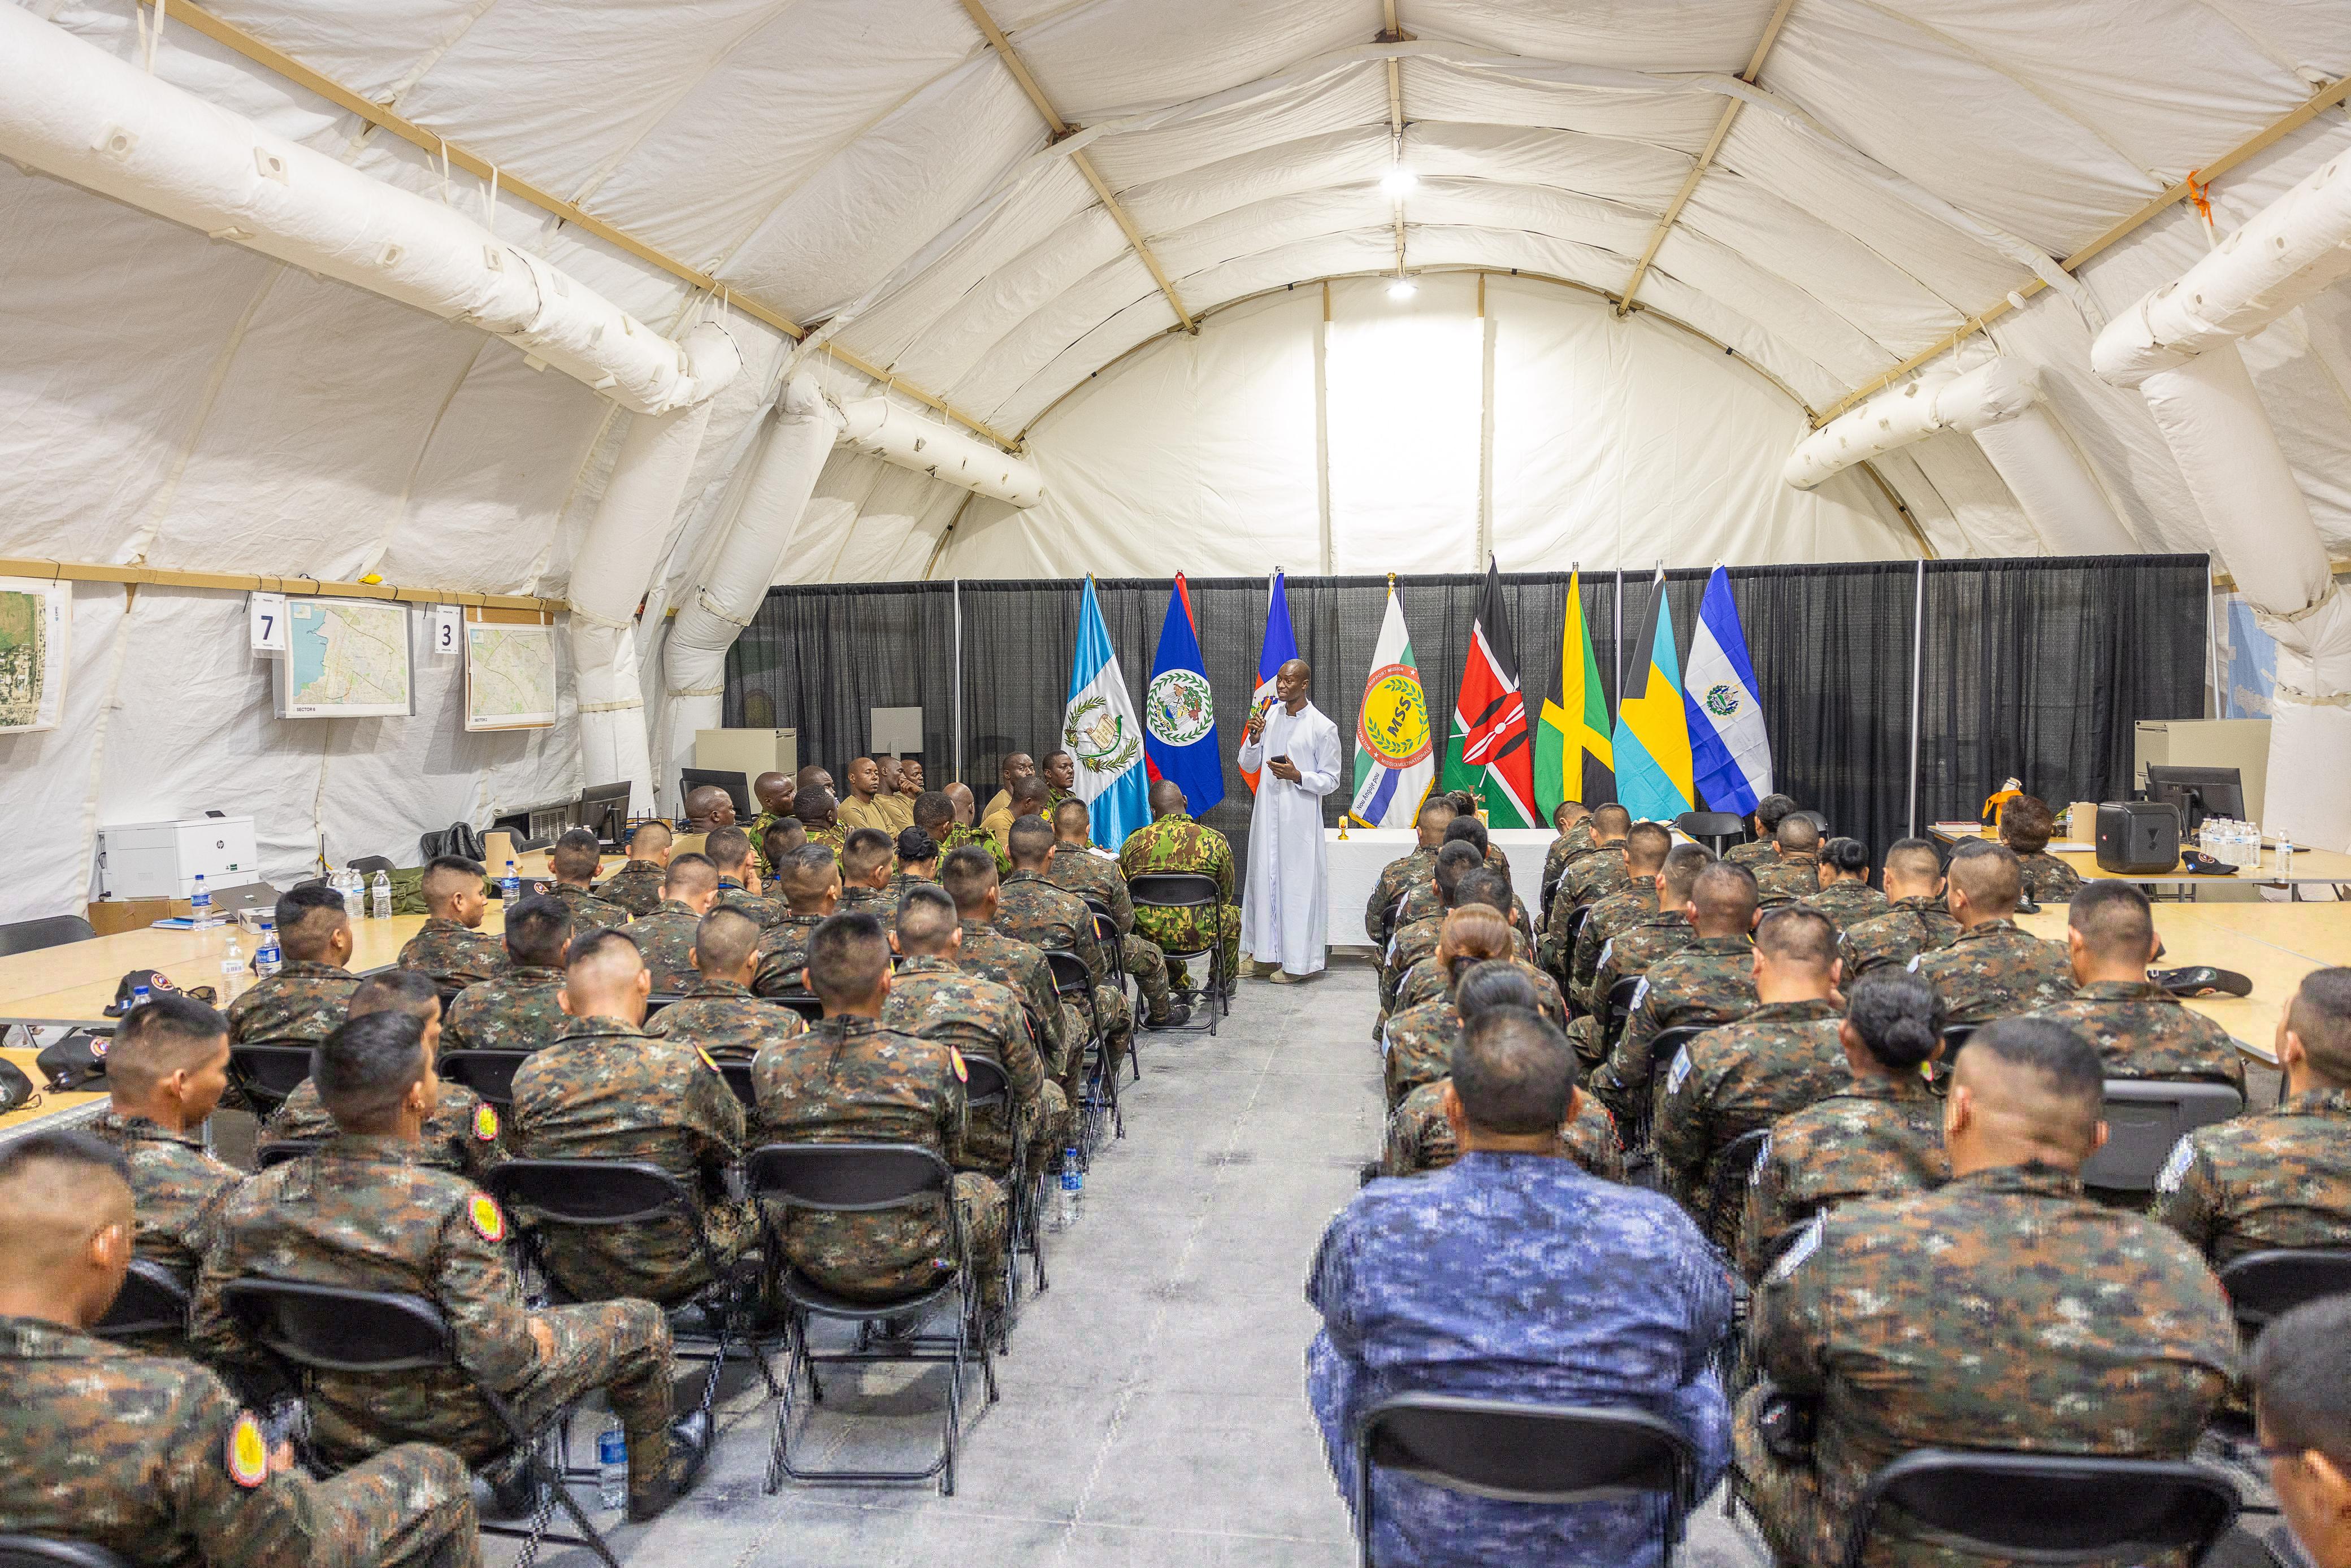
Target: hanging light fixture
1402,289
1398,181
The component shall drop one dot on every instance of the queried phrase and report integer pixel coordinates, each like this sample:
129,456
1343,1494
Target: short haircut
62,1146
1797,832
1493,983
1795,935
804,876
862,852
1724,890
445,876
1573,811
690,872
649,836
1991,876
1483,886
1773,810
932,810
1898,1015
52,1201
1030,788
1465,828
1514,1074
926,918
727,848
307,918
1913,860
1030,839
2116,922
1477,934
847,959
723,940
367,1066
1167,796
916,847
1682,867
2300,1377
590,943
408,992
1436,809
1612,821
1850,856
538,928
1646,845
967,874
2319,1016
161,1036
1454,862
576,855
2068,1065
1071,819
814,804
2026,824
782,838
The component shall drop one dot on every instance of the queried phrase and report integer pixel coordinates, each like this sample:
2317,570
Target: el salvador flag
1103,735
1731,751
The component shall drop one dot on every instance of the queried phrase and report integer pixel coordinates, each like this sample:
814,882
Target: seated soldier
1400,876
818,817
1034,911
717,1013
2026,826
1172,841
1419,1138
2301,1404
451,949
462,1133
936,813
708,808
605,1090
1571,820
1078,867
1010,771
1992,969
521,1009
1770,812
1420,902
968,877
917,860
1878,1322
1416,939
775,792
1915,921
929,996
1879,1136
637,885
149,1456
739,886
1466,804
1644,852
1710,981
1794,870
1031,797
1427,980
855,1080
810,883
1416,1041
2280,1177
367,1211
896,802
812,775
865,872
665,938
1630,953
1740,1078
778,843
1595,875
573,861
301,1003
1845,896
2141,1031
861,807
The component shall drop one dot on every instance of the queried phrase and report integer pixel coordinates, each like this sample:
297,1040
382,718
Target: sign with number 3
448,630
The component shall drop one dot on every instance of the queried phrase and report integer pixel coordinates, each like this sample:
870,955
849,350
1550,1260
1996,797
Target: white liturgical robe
1284,917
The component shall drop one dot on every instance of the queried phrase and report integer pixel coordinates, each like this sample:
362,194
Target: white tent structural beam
898,435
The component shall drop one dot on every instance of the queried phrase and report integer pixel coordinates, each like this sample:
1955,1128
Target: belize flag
1731,754
1179,712
1099,726
1395,758
1279,648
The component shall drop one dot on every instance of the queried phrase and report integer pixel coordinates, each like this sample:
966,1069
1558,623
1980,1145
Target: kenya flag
1490,753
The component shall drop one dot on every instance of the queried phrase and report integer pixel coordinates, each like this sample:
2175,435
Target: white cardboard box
162,860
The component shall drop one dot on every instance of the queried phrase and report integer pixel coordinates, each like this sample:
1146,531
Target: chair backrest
1818,820
1575,929
657,1000
1106,933
1667,1045
1709,825
590,1192
1734,1172
983,1079
848,1177
336,1328
1955,1035
1096,902
154,1300
48,931
488,1073
1620,1006
1069,974
368,865
738,1078
1528,1453
2145,1119
2054,1508
39,1551
274,1069
284,1149
1173,890
803,1003
2261,1285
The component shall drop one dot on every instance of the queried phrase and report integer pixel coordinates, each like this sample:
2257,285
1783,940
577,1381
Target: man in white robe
1284,916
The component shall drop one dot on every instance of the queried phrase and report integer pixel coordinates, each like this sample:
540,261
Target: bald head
774,791
959,796
1167,797
1016,768
607,978
1798,837
812,777
2024,1090
707,806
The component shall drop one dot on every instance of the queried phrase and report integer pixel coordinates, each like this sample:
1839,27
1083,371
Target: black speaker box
2140,836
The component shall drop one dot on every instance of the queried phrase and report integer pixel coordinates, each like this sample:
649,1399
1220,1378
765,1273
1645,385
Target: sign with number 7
265,619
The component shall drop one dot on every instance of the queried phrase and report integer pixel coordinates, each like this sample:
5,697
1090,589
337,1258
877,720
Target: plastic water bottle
612,1466
382,896
2284,855
199,905
510,885
232,970
138,999
1074,1184
266,959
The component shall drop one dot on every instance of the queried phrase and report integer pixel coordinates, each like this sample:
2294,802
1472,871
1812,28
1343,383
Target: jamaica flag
1573,758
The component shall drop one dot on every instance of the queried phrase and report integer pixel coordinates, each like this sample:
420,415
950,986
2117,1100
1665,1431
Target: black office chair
1714,825
1098,1109
2145,1119
1196,892
154,1300
48,931
490,1074
1543,1454
2267,1285
283,1150
266,1074
863,1178
40,1552
384,1333
2048,1507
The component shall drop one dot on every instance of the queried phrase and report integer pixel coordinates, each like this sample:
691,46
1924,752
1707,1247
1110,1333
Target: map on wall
35,636
345,658
509,676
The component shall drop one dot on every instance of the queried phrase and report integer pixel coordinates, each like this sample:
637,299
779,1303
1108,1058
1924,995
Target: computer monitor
536,827
2198,792
604,811
736,785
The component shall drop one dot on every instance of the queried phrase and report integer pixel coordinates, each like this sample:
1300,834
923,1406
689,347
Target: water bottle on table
510,885
612,1466
382,896
199,905
267,958
231,979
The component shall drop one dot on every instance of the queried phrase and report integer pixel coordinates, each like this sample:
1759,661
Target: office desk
2311,867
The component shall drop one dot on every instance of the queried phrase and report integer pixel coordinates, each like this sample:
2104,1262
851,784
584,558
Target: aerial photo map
34,619
345,658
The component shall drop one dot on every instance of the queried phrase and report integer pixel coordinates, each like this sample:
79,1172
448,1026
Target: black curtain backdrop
2035,667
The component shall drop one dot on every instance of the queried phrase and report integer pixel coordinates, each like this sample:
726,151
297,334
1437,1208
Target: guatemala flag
1179,728
1100,729
1280,647
1731,755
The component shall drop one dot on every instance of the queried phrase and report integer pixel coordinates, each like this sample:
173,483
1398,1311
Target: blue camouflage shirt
1515,1277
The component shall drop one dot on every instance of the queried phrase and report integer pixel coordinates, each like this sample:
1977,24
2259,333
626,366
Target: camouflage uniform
1752,853
1424,981
637,886
1417,1047
853,1081
783,953
1176,843
957,835
1992,970
1609,918
2048,880
2001,1312
136,1455
880,902
1876,1137
725,1020
1398,878
1420,1139
1566,850
1590,880
2274,1178
367,1212
2142,1031
1710,981
1094,875
1035,912
979,1017
461,1136
609,1092
763,910
522,1009
1416,941
1630,953
1848,903
994,955
590,912
1736,1080
1909,927
1421,901
1784,878
665,938
176,1189
301,1003
454,956
833,838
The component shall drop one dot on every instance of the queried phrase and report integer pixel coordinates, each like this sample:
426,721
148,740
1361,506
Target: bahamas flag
1099,726
1574,760
1393,753
1731,752
1179,712
1652,745
1281,646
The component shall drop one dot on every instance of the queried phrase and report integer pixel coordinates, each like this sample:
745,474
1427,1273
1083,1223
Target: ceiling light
1398,181
1403,288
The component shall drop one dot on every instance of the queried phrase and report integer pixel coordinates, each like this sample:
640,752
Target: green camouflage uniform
665,938
1608,919
176,1189
994,955
1876,1137
1736,1080
833,838
590,912
1034,911
2048,880
983,1017
609,1092
462,1136
636,887
367,1212
1992,970
2280,1177
783,953
301,1003
1425,982
1632,952
725,1019
1710,981
758,833
452,955
1566,850
1420,1139
1752,853
1417,1047
1784,878
1909,927
763,910
2001,1311
1398,878
1176,843
522,1009
1421,901
1848,903
851,1080
1591,879
2142,1031
139,1455
1095,875
880,902
1416,941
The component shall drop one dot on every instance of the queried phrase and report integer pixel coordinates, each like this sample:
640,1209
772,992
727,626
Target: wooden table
53,1109
2310,867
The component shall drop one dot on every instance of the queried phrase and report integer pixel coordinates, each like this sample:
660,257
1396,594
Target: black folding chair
1575,923
1662,1051
488,1073
154,1300
283,1150
1955,1035
1107,937
267,1073
48,931
383,1333
1716,826
1541,1454
40,1552
2270,1283
739,1079
1197,893
801,1000
2047,1507
1734,1173
2145,1119
1098,1094
657,1000
864,1178
986,1088
1620,1009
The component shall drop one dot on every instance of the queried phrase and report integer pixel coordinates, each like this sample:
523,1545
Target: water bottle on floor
510,886
1073,1183
382,896
612,1466
199,905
